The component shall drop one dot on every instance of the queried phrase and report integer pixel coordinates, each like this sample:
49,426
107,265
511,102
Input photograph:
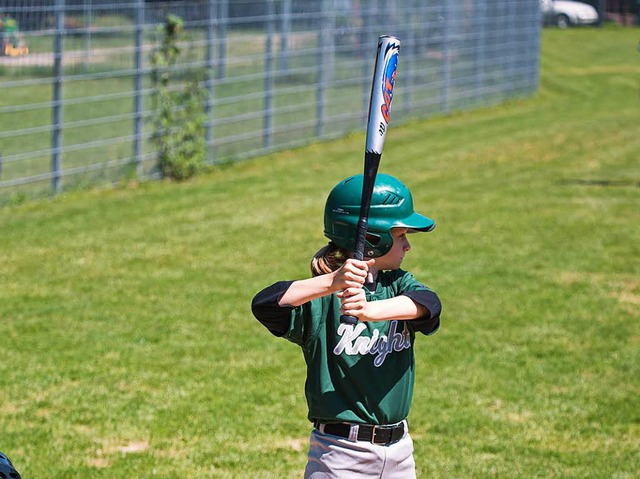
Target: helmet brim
416,222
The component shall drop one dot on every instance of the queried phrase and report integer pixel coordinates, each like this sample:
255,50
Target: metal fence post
56,131
480,49
267,136
601,8
285,31
535,49
512,49
210,65
223,18
138,124
87,10
409,58
325,58
446,59
321,79
368,16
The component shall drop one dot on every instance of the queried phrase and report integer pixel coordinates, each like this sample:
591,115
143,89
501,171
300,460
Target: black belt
384,435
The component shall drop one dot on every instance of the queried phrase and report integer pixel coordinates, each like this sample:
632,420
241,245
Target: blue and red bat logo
389,79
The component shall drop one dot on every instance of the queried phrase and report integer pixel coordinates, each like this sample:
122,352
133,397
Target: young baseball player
360,376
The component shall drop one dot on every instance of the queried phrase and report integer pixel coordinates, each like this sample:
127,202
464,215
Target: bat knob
348,319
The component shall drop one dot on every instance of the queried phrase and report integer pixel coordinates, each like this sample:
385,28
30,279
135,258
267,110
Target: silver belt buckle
373,435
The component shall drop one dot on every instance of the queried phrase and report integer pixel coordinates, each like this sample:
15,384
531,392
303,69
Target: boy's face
393,258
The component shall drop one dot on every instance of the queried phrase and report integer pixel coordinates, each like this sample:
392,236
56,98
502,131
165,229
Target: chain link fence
76,95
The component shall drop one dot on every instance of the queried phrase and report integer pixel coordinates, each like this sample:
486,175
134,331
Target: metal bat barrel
384,79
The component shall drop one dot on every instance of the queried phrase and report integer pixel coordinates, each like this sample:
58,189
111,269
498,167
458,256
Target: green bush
179,118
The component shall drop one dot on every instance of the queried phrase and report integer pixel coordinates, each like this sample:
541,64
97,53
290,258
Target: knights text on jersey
360,373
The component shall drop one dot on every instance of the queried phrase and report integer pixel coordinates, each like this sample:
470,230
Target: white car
566,13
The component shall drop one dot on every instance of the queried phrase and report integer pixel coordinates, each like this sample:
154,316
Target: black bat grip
358,254
371,162
348,319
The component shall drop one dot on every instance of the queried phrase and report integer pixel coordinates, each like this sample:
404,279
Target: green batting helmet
391,207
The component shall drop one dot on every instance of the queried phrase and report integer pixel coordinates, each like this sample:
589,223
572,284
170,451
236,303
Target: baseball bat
384,79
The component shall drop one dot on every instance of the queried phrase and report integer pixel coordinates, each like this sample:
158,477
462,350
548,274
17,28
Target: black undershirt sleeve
266,309
276,318
429,323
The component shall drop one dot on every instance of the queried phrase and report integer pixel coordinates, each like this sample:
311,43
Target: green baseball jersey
361,373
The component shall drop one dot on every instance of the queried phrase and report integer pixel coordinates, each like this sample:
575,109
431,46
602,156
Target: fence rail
76,109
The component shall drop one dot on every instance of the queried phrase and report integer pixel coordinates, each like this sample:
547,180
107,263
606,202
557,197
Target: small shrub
179,118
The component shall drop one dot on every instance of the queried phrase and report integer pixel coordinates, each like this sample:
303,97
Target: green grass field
129,349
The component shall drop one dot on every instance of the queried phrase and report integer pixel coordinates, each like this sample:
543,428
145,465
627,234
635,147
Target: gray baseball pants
332,457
